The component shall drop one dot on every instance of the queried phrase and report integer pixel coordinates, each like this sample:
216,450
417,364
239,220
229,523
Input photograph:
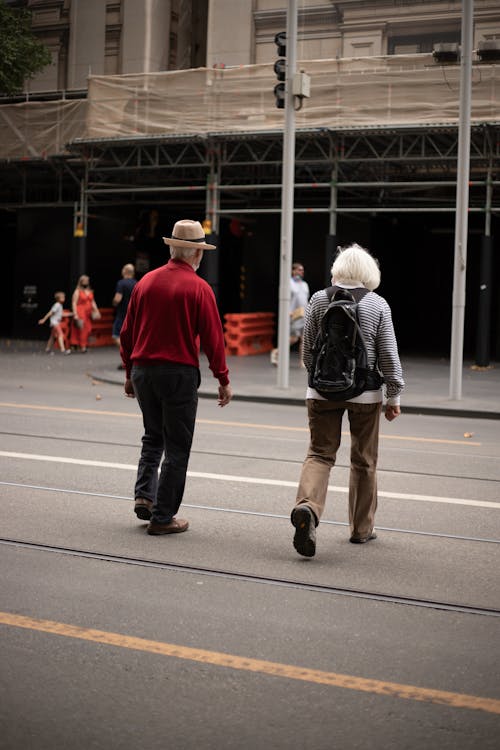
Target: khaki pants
325,425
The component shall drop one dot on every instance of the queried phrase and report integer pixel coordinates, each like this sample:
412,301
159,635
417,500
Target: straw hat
188,233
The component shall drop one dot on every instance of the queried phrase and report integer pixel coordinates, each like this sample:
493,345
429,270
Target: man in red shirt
171,313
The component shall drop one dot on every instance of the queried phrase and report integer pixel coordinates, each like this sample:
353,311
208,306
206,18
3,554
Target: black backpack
340,361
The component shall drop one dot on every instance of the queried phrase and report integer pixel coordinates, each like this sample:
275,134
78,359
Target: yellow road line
70,410
411,438
223,423
275,669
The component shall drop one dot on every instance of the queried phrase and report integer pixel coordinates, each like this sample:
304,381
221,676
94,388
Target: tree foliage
22,55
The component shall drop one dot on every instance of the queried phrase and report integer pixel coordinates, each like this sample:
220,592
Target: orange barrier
248,333
101,329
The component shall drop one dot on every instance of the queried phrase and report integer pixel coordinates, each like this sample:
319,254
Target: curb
431,411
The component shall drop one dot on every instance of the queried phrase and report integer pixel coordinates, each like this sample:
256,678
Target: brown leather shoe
143,508
176,526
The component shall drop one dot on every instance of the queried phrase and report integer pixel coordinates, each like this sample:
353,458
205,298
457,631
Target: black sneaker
304,540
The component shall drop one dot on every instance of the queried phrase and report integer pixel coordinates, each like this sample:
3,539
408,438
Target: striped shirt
375,320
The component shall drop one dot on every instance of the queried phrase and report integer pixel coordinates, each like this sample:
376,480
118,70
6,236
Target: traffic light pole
287,201
462,207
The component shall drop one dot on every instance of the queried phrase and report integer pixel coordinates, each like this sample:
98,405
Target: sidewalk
253,378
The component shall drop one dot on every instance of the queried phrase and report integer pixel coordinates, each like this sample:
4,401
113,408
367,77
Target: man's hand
129,389
225,395
391,412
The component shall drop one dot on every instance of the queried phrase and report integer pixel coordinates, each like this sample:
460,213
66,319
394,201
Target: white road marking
247,480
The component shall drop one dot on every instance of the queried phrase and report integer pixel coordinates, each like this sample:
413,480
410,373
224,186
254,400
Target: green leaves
21,54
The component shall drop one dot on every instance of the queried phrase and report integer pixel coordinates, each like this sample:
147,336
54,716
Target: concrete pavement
85,564
254,379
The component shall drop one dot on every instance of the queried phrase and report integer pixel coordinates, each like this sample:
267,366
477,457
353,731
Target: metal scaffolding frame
378,170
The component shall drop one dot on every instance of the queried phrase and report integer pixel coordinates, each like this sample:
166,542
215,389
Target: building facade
113,37
353,28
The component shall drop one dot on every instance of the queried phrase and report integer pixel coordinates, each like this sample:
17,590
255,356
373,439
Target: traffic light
280,69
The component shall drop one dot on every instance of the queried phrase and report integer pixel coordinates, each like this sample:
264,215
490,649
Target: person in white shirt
56,314
299,297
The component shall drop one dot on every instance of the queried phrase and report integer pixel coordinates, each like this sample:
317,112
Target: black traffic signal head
279,69
280,41
279,93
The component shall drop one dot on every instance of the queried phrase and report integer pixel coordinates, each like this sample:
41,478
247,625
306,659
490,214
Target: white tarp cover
34,130
362,92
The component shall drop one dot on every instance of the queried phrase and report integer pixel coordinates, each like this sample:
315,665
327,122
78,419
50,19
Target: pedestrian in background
56,314
354,267
299,297
85,311
171,313
121,299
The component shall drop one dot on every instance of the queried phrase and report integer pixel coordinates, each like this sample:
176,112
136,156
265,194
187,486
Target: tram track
247,512
257,579
245,456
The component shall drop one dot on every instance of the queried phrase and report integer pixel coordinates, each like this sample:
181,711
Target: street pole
331,240
462,204
485,285
287,200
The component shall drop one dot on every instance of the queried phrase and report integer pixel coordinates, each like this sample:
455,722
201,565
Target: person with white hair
354,269
171,313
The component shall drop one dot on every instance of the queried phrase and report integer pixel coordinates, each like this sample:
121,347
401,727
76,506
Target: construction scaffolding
378,134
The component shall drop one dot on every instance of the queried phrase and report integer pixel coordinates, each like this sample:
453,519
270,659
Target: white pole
462,204
288,181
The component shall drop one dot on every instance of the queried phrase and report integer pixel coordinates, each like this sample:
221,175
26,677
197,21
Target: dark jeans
168,397
117,325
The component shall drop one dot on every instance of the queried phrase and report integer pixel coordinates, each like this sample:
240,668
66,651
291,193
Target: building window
112,48
411,44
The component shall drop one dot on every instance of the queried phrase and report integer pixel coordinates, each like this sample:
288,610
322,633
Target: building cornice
326,15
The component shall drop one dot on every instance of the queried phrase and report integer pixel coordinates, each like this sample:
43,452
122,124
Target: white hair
354,263
188,254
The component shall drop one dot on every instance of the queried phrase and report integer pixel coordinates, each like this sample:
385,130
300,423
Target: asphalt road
224,637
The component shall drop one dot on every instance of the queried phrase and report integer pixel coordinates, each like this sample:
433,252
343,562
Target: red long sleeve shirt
171,312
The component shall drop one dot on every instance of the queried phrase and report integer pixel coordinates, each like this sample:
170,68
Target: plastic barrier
248,333
100,334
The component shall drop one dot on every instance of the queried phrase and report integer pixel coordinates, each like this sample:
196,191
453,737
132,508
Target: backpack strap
330,291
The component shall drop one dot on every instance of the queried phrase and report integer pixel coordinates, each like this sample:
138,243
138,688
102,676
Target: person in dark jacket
121,299
354,267
170,314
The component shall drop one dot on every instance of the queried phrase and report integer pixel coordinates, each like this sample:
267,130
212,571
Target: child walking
56,314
